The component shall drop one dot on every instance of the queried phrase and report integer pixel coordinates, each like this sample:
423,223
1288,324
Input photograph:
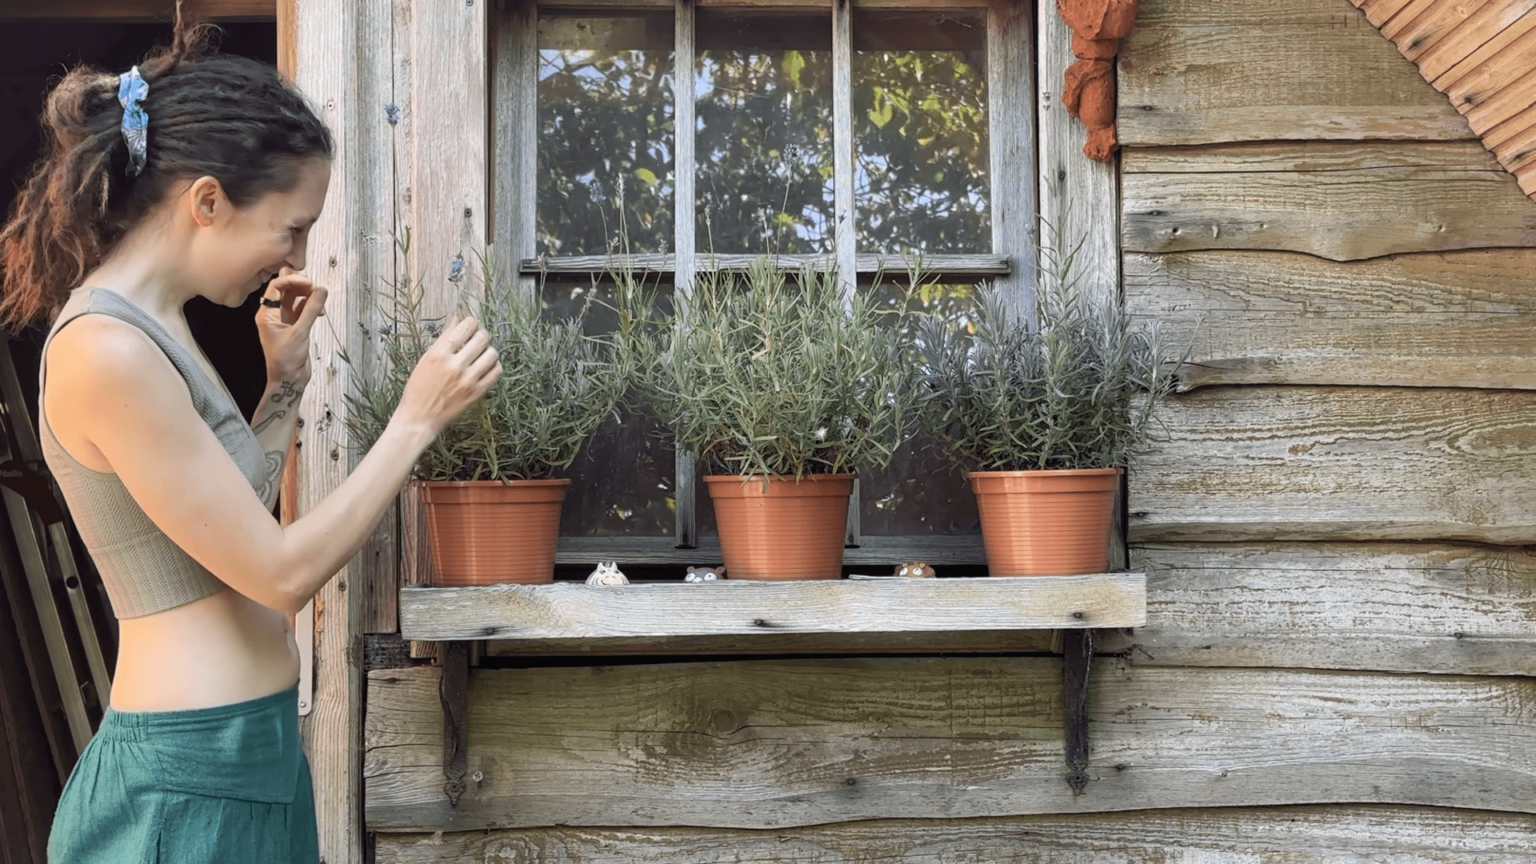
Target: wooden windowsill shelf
576,611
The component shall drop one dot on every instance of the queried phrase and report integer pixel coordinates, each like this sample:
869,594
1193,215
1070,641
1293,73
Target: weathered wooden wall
1338,661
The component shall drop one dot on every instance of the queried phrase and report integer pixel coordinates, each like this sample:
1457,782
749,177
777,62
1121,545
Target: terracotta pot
485,532
1046,523
789,530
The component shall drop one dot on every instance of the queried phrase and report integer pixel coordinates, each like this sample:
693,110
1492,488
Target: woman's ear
207,201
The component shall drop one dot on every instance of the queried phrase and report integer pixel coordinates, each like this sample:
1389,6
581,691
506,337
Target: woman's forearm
322,541
273,423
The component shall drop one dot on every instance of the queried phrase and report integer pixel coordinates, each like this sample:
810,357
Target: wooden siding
1340,463
1338,200
776,744
1456,319
1482,57
1400,607
1210,71
1280,835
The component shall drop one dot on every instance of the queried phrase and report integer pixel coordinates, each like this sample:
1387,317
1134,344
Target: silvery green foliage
556,389
769,372
1077,388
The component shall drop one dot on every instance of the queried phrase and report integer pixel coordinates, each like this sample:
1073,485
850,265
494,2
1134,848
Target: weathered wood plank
877,554
868,263
443,142
375,260
1278,835
1456,319
139,10
1011,146
1079,201
737,607
1334,200
332,58
1340,463
773,744
1405,607
789,644
1197,73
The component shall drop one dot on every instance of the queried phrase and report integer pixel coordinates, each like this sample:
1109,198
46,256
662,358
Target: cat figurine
918,569
705,574
607,573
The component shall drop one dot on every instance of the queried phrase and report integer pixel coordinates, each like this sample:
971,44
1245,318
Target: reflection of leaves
794,61
882,112
646,175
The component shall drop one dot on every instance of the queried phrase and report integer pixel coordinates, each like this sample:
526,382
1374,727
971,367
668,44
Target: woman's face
240,247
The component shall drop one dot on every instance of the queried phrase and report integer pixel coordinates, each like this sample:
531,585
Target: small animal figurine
915,568
607,573
705,574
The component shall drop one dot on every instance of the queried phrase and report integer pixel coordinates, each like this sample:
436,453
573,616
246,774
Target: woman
195,175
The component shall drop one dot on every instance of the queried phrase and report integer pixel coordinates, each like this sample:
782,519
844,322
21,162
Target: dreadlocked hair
227,117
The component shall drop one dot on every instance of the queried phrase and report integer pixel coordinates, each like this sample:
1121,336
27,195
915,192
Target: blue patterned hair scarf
131,90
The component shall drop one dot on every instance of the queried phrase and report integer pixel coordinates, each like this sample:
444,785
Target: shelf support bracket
453,691
1078,660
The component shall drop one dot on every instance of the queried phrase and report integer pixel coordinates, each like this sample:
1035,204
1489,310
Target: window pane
920,123
921,492
622,482
605,133
763,138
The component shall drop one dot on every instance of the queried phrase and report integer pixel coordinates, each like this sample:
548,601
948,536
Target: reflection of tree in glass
920,119
920,492
764,150
605,135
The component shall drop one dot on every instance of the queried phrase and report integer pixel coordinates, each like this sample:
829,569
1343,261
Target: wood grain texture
374,270
776,744
876,554
1277,835
1402,607
1454,319
1336,200
1012,149
1476,29
741,607
1195,72
789,644
162,11
514,131
444,202
866,264
333,57
1340,463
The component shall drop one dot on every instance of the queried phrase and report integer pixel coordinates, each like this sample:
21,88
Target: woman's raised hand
455,372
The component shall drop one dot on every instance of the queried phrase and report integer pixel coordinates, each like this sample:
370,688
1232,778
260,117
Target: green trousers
225,785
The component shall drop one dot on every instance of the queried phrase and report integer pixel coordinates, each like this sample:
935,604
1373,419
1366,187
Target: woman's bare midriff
222,649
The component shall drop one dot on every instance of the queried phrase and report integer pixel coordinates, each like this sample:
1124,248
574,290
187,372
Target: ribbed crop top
144,571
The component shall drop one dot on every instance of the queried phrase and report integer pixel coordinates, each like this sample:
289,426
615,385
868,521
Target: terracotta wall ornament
1089,90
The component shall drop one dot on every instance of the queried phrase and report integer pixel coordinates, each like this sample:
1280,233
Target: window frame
1013,209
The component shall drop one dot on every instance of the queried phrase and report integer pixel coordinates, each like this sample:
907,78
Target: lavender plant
1077,387
772,372
558,386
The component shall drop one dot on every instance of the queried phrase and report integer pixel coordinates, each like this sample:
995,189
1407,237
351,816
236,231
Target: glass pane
622,482
920,123
763,137
605,134
921,492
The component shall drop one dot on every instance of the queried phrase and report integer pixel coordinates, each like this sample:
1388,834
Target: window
692,134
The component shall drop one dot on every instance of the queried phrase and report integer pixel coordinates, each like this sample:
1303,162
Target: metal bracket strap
1079,658
453,691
